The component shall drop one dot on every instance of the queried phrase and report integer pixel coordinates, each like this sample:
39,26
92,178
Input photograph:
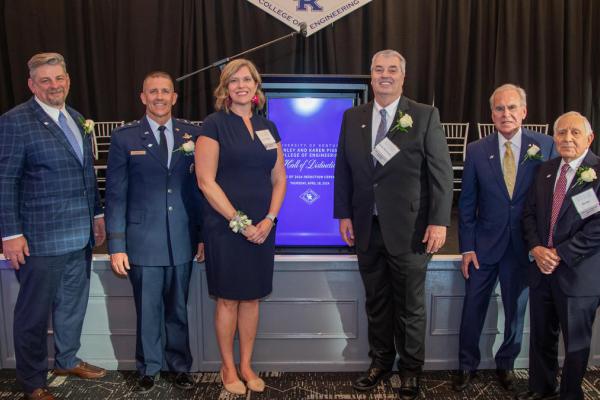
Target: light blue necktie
381,130
62,122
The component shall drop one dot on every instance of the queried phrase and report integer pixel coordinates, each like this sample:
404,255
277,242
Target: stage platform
313,321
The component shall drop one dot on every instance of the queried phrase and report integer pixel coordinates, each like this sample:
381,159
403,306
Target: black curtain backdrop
457,51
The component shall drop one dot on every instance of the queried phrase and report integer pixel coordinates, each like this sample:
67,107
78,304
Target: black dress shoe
371,378
537,396
184,381
506,377
462,379
409,389
145,384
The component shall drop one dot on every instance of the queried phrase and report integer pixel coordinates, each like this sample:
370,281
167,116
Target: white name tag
586,203
385,151
266,139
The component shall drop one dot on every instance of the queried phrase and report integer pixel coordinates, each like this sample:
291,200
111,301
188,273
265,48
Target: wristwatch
272,218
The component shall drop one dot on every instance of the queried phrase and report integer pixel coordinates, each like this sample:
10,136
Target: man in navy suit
50,218
561,225
498,172
152,202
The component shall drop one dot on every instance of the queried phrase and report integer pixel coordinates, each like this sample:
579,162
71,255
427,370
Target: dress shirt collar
51,111
573,164
390,109
154,125
515,141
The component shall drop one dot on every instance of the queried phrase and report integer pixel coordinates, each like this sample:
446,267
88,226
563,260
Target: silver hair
586,123
509,86
41,59
390,53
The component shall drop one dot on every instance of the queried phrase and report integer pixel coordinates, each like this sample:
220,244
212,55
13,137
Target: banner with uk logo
315,14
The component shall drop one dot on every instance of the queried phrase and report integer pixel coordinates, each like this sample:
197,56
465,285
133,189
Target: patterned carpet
280,386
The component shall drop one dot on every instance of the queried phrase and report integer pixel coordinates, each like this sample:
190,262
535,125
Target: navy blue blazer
150,207
46,194
489,220
576,240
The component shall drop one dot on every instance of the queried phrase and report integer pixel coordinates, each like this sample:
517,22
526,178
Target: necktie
509,169
381,130
162,146
64,126
557,201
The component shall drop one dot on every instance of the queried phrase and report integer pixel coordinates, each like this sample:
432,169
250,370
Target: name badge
385,151
586,203
266,139
137,152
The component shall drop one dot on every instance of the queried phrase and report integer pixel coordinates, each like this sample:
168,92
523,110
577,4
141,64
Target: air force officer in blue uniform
499,169
152,226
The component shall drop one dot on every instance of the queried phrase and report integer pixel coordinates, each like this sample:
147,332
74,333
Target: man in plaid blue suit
50,218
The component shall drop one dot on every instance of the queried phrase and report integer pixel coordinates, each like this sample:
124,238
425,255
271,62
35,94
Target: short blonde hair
222,93
41,59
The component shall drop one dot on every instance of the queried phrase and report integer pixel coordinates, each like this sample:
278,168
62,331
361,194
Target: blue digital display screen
309,128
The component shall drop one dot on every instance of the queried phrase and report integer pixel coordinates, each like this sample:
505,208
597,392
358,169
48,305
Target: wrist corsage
239,222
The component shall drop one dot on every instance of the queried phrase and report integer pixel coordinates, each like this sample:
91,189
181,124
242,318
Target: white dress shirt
389,110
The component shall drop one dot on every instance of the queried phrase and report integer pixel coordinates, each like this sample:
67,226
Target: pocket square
137,152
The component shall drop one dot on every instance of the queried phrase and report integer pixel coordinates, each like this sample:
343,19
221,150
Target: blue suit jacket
45,192
489,220
150,206
576,240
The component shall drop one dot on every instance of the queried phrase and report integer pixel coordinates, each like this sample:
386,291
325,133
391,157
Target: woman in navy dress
240,170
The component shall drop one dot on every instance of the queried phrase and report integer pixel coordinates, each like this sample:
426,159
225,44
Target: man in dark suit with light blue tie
561,227
498,171
50,218
393,196
152,218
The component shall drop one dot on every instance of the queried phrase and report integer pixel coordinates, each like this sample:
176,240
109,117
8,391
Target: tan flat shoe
256,385
236,387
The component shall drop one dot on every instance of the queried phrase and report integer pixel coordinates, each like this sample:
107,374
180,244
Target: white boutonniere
188,146
533,153
405,121
87,125
585,175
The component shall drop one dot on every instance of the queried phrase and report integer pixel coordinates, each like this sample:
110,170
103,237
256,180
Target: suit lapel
493,155
149,141
365,132
526,142
590,160
178,140
85,138
52,127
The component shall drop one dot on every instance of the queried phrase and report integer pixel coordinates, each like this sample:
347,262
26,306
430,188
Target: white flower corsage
585,175
405,121
87,125
239,222
533,153
187,147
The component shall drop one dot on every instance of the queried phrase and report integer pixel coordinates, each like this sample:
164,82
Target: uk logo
309,196
302,4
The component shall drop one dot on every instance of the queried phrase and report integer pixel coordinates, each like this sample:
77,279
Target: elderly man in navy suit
561,225
498,171
152,218
50,218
